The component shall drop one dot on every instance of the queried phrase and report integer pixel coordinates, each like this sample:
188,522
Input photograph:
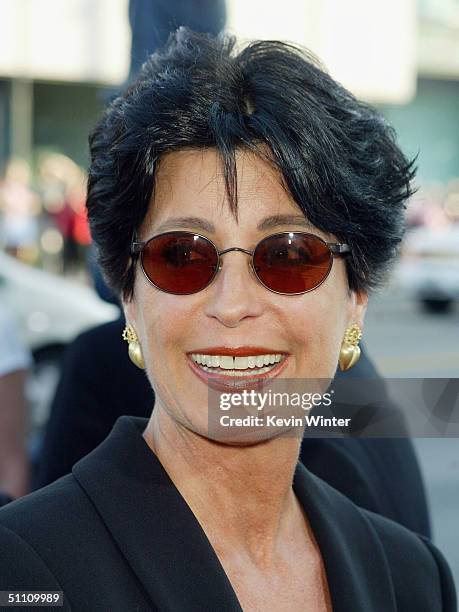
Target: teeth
241,363
238,372
226,362
233,364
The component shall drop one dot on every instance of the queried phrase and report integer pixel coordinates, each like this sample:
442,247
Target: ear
130,312
357,308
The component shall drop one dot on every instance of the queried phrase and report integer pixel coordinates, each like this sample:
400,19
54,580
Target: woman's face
235,310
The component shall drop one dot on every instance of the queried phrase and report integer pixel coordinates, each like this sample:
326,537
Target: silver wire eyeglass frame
336,249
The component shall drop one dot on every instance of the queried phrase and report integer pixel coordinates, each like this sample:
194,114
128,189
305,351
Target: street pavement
405,342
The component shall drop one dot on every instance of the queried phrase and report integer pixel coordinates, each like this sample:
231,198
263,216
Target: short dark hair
337,155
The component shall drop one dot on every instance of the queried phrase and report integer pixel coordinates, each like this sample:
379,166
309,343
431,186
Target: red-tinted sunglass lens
179,262
292,263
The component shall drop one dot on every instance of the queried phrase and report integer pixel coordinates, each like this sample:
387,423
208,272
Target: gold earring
134,350
350,350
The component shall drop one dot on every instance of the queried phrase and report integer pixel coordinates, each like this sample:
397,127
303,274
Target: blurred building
429,124
57,59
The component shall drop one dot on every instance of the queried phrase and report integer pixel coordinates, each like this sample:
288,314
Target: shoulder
38,513
21,567
97,357
379,474
38,534
31,529
384,561
55,540
95,340
413,560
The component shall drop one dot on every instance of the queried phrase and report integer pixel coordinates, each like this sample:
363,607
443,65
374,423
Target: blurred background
60,62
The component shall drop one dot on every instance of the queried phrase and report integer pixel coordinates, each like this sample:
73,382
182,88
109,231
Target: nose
235,293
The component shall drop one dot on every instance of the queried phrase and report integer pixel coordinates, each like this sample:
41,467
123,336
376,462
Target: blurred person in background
19,209
79,237
62,184
15,361
180,519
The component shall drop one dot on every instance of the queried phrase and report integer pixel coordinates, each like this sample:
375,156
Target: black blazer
117,535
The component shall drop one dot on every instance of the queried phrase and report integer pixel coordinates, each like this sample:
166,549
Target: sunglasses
289,263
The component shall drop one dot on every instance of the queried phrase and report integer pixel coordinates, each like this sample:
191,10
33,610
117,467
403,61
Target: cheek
165,322
162,327
318,324
161,331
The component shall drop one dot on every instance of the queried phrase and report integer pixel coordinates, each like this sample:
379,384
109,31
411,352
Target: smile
228,365
230,372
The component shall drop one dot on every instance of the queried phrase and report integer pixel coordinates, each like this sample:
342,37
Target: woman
243,206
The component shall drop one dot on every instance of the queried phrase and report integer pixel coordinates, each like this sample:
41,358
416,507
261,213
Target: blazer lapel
358,574
169,552
152,525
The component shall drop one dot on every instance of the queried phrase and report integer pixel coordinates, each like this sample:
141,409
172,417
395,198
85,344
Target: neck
241,495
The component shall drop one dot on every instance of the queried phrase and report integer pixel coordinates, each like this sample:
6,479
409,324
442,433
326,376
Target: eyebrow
270,222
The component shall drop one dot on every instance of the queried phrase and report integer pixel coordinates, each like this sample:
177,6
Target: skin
225,485
14,462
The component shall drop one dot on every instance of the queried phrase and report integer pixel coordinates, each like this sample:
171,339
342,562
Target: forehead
191,183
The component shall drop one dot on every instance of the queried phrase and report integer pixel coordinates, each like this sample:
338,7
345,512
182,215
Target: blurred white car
50,311
429,266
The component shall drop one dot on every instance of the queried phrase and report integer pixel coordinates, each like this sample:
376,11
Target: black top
100,384
117,535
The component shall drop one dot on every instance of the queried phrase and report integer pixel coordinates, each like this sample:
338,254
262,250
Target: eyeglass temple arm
136,247
338,248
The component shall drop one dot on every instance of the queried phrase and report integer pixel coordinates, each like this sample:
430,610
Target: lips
241,351
222,382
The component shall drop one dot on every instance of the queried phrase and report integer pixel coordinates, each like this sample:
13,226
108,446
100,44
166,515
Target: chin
248,436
